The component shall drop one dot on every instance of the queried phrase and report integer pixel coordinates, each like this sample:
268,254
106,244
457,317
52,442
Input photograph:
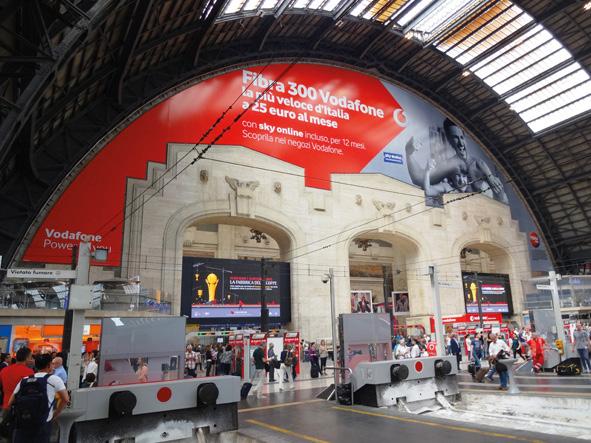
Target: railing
113,298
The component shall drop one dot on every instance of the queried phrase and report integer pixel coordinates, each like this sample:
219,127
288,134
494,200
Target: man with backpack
36,401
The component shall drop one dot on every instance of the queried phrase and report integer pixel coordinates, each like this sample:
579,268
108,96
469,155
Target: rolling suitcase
245,390
480,374
314,370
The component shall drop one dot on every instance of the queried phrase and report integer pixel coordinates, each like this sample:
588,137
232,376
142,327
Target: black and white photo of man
458,172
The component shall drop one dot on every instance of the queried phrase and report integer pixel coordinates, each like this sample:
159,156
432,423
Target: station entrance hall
295,221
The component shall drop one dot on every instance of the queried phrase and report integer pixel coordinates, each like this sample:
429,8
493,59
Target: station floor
296,416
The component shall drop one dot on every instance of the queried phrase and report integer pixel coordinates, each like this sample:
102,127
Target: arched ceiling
70,71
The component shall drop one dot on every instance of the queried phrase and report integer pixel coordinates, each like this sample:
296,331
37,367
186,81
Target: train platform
298,416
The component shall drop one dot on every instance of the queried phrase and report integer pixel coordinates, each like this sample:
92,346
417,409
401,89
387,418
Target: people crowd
521,344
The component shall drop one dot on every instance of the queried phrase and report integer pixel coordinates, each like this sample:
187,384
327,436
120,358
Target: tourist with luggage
498,350
314,363
455,349
36,401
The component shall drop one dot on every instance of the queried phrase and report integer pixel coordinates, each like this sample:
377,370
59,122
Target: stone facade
314,229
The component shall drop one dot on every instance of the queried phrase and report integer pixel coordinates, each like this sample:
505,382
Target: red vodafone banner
324,119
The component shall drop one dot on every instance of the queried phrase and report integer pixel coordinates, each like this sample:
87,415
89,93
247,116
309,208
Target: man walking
37,400
581,344
258,358
286,362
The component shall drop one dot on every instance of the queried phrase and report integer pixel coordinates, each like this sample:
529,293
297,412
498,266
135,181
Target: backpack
31,405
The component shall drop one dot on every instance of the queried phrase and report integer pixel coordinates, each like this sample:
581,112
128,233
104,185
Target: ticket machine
251,343
237,343
293,339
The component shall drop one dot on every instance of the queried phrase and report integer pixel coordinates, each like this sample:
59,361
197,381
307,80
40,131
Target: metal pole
334,326
437,307
74,321
479,299
556,307
264,309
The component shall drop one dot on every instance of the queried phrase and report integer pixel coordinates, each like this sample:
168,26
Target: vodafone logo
534,239
400,117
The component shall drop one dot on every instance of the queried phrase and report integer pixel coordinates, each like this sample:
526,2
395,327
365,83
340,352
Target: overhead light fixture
587,6
466,73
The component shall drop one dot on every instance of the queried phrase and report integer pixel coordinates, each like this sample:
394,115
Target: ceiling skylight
523,63
495,40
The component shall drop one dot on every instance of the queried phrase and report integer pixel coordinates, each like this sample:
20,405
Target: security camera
325,278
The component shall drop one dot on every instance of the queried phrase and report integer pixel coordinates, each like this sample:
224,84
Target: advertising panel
323,119
495,292
231,289
401,303
361,302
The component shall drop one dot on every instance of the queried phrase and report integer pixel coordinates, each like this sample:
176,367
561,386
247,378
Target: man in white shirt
91,367
38,430
496,346
415,350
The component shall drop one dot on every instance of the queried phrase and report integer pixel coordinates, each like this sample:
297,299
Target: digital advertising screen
495,292
229,291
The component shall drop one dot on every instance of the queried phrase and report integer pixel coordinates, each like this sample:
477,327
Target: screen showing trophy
224,289
491,291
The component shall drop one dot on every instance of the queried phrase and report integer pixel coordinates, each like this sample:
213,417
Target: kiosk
237,343
251,344
293,339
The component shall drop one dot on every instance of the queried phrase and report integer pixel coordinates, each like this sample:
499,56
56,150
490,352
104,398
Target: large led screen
222,289
495,292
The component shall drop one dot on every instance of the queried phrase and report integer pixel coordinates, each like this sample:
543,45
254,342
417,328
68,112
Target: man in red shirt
13,374
536,345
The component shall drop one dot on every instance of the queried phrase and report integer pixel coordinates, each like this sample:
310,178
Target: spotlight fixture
258,236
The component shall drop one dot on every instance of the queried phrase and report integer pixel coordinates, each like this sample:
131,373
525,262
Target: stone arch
283,230
508,260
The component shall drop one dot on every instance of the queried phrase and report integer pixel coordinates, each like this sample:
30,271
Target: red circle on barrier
164,394
419,366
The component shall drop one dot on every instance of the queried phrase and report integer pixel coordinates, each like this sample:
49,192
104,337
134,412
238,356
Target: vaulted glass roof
493,39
